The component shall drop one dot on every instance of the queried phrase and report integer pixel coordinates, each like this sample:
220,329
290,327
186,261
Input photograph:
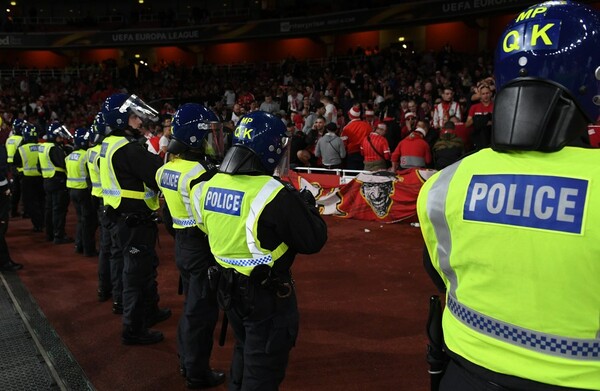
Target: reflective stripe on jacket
228,208
514,236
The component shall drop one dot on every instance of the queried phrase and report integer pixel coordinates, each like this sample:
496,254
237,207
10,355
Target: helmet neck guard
242,160
536,115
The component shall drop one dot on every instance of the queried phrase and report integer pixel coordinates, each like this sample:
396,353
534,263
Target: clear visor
139,108
64,133
215,142
283,167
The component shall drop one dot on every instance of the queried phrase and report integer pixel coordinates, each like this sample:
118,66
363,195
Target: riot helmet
55,130
196,128
17,126
259,143
98,128
82,137
30,134
117,110
547,71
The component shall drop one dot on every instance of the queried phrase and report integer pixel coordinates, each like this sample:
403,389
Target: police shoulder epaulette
288,186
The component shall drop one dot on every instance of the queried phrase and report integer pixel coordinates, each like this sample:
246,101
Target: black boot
10,266
211,378
145,336
117,308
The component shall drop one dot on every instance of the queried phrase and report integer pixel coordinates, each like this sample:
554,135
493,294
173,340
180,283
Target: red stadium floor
363,304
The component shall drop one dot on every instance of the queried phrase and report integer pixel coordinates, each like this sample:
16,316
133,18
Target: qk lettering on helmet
242,131
538,35
533,201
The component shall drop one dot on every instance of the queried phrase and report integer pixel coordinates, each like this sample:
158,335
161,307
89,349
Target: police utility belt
230,285
133,219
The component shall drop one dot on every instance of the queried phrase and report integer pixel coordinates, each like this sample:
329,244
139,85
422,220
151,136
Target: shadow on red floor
363,305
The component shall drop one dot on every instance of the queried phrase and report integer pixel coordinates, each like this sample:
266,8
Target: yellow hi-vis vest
30,158
174,179
76,172
515,237
111,189
92,156
12,143
48,168
228,208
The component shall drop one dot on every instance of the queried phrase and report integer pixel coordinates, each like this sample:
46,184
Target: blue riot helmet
98,128
30,133
547,70
17,126
118,108
82,137
197,129
259,143
55,130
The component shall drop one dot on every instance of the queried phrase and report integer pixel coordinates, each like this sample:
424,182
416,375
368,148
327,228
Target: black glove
308,198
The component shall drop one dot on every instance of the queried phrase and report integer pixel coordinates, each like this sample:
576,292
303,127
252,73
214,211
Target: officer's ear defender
536,115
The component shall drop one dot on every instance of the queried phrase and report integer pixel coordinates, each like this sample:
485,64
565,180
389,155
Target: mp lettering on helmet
242,131
538,35
534,201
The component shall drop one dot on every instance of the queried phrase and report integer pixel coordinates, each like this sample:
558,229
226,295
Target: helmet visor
214,147
283,167
139,108
63,132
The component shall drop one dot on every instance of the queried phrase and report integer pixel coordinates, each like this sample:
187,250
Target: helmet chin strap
536,115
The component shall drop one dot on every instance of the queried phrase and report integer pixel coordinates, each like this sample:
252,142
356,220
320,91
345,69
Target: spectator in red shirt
410,123
480,118
412,151
353,135
376,150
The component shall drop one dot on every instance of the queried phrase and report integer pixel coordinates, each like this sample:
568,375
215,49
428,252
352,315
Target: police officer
27,159
192,124
6,263
525,316
110,258
256,225
80,191
129,191
12,144
52,164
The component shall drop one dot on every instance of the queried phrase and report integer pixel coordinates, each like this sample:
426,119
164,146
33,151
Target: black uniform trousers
104,250
57,203
15,190
85,232
200,313
5,206
265,329
116,256
33,200
140,261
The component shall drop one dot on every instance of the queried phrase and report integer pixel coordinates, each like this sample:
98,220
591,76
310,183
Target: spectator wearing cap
370,117
376,150
353,135
330,148
413,150
410,124
449,148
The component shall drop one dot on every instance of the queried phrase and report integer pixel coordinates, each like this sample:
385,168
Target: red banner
378,196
